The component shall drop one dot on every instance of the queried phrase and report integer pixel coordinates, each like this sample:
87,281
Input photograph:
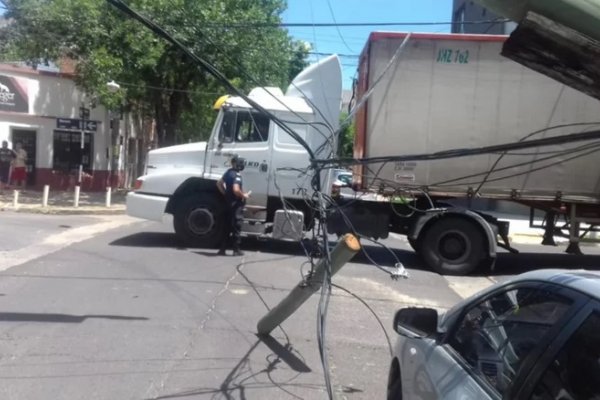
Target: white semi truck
443,91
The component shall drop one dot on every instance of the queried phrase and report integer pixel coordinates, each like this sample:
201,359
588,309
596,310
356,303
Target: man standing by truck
230,186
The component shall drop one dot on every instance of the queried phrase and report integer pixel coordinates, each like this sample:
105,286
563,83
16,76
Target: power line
337,27
341,24
124,8
465,152
318,53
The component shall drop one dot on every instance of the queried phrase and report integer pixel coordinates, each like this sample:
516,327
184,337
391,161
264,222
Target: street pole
82,114
346,248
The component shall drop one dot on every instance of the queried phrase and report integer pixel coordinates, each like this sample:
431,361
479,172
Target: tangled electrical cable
321,160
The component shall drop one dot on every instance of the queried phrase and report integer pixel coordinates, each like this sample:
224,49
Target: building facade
44,111
470,11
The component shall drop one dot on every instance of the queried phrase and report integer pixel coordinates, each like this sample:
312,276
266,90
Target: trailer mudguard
423,222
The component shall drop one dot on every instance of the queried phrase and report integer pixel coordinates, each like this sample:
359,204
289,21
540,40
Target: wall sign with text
14,95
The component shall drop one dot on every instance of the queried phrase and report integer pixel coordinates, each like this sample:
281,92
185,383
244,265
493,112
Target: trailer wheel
199,221
453,246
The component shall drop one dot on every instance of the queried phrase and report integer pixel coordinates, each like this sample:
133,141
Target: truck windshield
244,126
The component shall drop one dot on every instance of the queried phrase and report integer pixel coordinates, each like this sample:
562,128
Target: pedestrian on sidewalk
6,159
19,166
230,186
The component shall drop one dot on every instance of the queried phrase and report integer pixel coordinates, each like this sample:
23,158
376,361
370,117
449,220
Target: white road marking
61,240
466,286
384,292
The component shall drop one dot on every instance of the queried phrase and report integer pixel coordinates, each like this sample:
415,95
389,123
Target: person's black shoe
221,253
238,253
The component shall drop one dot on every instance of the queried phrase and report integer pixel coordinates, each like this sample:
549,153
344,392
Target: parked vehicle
445,91
534,337
342,178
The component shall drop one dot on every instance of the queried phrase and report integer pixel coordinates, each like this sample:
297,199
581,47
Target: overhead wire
119,4
319,165
349,24
554,108
363,100
464,152
337,27
243,70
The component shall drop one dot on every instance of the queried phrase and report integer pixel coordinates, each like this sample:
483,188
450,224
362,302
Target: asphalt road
111,308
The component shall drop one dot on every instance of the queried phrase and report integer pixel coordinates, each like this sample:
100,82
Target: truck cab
181,180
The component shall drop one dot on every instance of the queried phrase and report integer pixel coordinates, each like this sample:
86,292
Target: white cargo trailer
451,91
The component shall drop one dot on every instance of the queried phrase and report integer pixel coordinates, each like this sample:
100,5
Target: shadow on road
241,377
149,239
60,318
506,263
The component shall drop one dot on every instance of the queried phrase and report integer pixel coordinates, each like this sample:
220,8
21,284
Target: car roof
582,280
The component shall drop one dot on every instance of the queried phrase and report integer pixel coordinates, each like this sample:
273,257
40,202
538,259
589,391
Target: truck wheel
453,246
198,221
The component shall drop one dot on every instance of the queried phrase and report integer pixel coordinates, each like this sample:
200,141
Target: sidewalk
61,202
521,233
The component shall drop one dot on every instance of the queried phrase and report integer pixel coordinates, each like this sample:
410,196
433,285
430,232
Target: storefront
49,115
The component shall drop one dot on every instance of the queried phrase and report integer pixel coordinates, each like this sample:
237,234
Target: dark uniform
6,158
234,212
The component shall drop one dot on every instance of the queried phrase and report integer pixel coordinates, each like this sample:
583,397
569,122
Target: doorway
29,139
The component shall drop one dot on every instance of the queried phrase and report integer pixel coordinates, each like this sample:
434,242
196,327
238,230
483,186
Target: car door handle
264,167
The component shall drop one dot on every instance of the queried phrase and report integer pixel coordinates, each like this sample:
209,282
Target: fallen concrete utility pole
346,248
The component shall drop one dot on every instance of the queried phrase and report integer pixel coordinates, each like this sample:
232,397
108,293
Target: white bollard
45,195
76,200
15,199
108,196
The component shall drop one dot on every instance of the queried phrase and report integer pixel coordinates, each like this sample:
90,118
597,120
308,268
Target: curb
532,238
117,210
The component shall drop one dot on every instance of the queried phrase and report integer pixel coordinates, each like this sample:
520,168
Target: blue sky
351,40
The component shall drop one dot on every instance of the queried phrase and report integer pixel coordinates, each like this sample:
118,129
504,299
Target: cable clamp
399,272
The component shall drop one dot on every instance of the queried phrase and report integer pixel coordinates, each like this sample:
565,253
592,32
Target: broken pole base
346,248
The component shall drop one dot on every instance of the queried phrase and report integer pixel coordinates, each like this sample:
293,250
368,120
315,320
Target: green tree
156,78
346,137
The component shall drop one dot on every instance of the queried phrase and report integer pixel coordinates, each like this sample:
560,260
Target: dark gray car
535,337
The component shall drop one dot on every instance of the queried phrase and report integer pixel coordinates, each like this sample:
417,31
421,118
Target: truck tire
453,246
199,221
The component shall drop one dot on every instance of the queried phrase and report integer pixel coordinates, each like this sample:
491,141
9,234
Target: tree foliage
346,138
156,78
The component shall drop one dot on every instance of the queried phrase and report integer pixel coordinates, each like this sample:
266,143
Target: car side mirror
416,322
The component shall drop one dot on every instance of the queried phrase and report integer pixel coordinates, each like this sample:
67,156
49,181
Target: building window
67,151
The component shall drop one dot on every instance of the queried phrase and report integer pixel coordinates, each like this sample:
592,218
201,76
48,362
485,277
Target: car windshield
345,178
